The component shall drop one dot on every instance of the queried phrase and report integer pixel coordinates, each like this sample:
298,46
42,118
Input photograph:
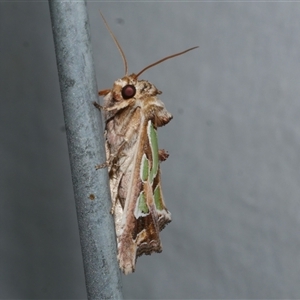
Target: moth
133,112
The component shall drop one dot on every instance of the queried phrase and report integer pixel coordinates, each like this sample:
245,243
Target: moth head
129,90
124,88
130,87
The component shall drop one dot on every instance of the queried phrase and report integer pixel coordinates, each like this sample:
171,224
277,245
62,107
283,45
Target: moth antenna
163,59
117,43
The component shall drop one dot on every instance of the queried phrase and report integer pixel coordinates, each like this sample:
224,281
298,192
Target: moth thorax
144,87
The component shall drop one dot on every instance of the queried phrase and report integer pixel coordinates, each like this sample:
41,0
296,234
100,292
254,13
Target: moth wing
145,213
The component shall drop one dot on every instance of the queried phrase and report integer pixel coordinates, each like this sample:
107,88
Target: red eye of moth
128,91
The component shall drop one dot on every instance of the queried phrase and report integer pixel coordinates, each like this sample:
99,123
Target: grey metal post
85,141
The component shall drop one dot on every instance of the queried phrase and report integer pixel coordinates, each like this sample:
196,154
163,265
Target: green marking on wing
142,204
144,172
154,149
158,198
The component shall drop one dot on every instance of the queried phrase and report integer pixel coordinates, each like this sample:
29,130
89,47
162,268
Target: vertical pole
85,142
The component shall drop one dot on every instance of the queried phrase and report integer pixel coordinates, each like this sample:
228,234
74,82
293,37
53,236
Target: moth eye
128,91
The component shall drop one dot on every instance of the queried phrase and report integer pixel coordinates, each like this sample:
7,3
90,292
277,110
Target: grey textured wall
232,181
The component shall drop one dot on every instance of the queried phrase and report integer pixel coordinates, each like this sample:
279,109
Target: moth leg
102,166
119,105
98,106
109,162
117,154
162,154
103,92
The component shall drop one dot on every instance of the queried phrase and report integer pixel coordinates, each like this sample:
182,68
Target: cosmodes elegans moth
133,112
